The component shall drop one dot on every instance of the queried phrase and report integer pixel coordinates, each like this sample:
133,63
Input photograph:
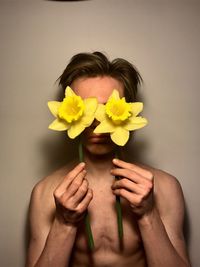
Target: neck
100,164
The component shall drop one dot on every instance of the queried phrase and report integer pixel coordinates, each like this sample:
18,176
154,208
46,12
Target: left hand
135,185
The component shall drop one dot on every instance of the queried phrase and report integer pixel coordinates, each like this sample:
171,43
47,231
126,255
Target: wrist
148,218
64,226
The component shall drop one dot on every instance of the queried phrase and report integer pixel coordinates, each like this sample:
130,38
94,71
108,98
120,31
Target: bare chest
103,220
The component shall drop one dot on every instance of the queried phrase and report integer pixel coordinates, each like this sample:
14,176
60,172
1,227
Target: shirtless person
152,200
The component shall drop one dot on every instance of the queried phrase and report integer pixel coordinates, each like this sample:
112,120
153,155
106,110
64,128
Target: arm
163,228
52,240
159,215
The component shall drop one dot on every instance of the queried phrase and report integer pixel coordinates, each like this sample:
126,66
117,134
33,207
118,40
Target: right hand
73,196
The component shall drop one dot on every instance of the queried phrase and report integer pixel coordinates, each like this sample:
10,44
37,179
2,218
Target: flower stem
89,232
119,208
80,151
119,216
87,219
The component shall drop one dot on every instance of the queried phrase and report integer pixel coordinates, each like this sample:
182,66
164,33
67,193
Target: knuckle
148,186
118,183
130,173
77,183
123,182
121,191
56,193
61,200
79,210
85,184
138,200
83,189
150,175
90,193
69,206
145,194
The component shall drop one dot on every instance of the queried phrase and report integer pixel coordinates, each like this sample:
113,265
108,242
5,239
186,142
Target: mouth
99,138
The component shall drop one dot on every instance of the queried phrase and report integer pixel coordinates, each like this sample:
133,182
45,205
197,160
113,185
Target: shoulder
42,199
166,183
42,204
46,186
167,187
163,180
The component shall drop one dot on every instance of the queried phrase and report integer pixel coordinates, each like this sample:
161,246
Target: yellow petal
115,95
105,126
58,125
90,105
54,106
75,130
87,120
69,92
136,108
135,123
120,136
100,113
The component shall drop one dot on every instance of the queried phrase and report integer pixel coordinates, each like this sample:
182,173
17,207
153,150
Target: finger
133,199
85,202
81,192
128,185
130,174
75,184
69,178
135,168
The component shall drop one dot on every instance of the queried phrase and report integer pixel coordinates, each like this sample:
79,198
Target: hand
73,196
135,185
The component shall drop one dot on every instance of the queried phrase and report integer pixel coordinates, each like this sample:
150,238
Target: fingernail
82,164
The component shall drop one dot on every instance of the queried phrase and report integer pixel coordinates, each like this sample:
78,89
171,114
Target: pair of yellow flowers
116,117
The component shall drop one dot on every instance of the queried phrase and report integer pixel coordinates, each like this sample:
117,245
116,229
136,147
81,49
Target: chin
100,149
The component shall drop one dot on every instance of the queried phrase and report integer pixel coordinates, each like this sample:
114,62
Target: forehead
99,87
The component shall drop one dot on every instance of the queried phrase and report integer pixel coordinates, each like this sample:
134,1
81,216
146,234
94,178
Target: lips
99,138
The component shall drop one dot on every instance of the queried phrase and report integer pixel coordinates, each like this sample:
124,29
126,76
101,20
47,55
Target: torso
109,250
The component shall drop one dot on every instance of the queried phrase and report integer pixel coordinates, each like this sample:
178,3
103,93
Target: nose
94,124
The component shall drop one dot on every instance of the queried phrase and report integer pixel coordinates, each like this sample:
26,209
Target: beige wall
38,38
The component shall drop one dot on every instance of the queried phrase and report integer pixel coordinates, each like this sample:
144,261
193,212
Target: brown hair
97,64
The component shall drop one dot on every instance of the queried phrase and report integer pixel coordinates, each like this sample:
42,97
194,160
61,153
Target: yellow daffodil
118,117
73,114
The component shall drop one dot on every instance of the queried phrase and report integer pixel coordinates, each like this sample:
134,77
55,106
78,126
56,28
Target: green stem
119,217
119,208
89,232
80,151
87,219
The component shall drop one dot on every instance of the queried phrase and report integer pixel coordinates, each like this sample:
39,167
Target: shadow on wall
57,151
26,232
186,227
